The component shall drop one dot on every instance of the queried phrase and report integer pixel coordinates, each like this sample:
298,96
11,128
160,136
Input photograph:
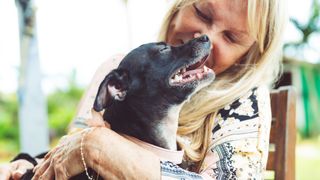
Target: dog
142,98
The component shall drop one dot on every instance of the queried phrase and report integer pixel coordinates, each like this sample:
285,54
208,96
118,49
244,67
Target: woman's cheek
221,61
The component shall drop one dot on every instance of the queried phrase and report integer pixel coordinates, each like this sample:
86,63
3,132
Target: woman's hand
63,161
106,152
14,170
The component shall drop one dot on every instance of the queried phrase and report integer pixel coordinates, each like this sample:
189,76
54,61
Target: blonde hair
260,65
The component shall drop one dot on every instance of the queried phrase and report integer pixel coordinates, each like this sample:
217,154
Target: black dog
143,96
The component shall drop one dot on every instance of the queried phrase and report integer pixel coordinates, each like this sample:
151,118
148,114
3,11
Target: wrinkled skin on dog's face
149,81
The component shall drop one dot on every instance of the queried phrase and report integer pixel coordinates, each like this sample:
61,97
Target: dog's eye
164,48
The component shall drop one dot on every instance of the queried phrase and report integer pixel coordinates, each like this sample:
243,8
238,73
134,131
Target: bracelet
82,155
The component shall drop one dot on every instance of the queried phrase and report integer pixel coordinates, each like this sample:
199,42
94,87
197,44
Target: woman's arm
109,154
114,157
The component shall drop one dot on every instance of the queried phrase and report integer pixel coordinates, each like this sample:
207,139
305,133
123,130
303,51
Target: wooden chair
281,157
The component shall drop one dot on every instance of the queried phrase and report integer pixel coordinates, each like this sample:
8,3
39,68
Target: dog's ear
113,87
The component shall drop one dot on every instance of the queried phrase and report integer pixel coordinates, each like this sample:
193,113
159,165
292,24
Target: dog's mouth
195,71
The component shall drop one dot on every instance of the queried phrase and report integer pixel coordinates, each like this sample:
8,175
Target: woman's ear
113,88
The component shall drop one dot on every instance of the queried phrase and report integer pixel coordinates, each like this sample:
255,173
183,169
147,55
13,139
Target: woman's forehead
233,13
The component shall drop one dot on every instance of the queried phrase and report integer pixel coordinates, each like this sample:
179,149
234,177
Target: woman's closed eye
230,38
203,16
236,38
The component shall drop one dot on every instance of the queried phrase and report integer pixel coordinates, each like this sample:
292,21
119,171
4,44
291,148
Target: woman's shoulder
252,105
111,62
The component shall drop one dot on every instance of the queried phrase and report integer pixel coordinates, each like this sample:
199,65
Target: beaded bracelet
82,155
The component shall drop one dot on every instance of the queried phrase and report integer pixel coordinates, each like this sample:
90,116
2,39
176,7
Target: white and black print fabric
171,170
240,141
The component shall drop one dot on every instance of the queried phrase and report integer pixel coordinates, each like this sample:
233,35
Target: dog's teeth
205,69
176,77
184,70
199,75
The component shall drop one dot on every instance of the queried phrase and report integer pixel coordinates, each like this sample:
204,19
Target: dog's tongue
196,65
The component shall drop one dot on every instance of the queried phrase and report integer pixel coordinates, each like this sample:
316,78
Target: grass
308,159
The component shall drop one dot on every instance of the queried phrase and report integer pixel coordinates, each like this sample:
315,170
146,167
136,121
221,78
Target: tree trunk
33,120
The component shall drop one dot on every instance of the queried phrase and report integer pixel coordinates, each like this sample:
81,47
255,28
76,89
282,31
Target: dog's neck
169,126
144,126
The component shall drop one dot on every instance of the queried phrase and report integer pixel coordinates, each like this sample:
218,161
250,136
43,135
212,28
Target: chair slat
270,164
283,133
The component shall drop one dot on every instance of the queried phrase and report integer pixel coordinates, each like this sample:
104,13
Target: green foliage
62,105
9,129
9,117
309,28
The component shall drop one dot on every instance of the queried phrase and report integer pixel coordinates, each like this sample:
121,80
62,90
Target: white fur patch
169,126
116,93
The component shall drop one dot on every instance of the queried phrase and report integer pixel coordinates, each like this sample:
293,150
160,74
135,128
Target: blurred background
49,51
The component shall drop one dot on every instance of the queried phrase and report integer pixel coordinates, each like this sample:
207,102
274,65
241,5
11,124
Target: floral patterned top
240,141
240,137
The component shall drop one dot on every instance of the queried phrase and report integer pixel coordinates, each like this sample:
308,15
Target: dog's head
159,74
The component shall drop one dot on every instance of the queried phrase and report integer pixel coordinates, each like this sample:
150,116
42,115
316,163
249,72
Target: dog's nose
204,38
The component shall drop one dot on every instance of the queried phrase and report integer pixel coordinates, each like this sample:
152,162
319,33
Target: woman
224,129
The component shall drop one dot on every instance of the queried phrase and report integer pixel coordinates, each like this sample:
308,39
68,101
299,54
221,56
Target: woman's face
223,21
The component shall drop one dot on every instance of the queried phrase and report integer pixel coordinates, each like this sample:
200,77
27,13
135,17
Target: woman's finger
51,152
47,170
48,154
61,173
48,174
41,168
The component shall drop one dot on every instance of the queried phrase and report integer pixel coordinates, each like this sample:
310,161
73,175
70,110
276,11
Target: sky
80,35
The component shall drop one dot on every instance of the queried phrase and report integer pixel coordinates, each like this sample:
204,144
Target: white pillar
33,120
